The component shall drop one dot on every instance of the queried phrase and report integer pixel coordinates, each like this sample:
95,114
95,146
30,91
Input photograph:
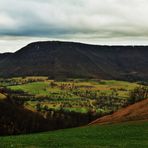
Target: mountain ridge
58,59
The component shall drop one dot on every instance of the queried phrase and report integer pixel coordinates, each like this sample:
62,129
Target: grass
42,88
125,135
79,110
34,88
56,96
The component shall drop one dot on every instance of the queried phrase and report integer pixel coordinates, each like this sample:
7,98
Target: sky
105,22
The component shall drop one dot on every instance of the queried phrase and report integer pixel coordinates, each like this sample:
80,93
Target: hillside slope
135,112
67,59
124,135
17,120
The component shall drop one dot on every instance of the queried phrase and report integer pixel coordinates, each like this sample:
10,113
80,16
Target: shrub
138,94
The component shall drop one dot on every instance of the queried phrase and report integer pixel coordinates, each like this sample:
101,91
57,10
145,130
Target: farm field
127,135
57,104
77,95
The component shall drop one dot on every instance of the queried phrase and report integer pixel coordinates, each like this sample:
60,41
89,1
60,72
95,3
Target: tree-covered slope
68,59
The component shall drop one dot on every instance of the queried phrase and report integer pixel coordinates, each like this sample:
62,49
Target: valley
58,104
73,74
59,94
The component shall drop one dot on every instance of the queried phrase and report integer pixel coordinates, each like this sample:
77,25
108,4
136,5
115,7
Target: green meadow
124,135
71,103
43,88
74,95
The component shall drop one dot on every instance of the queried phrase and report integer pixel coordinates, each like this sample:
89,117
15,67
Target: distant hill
4,55
135,112
76,60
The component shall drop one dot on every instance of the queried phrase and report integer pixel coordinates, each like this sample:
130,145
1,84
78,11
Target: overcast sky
89,21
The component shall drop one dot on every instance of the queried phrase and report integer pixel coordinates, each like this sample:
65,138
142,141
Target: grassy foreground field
124,135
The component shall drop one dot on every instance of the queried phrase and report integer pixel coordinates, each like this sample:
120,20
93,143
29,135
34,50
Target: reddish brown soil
135,112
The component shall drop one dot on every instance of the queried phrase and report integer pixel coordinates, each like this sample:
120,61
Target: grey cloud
75,19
